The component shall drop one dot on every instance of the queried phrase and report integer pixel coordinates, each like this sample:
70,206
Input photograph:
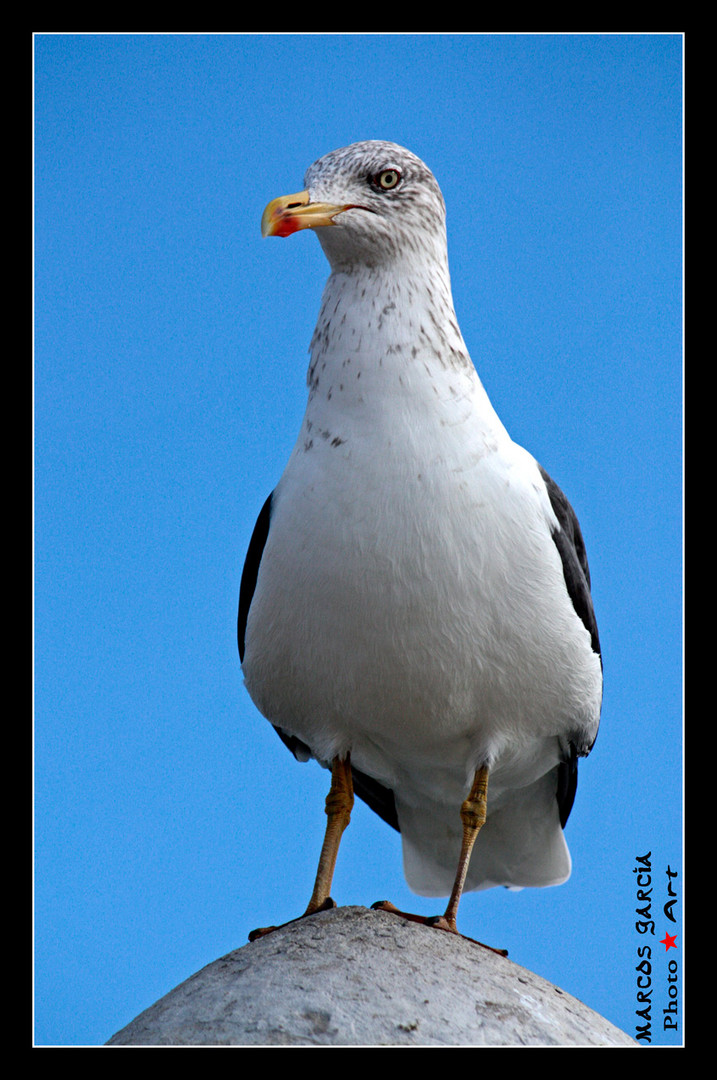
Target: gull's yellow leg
473,815
339,803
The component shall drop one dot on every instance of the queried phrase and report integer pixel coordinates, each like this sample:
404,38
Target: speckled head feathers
397,205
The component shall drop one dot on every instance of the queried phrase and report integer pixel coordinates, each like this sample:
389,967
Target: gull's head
371,203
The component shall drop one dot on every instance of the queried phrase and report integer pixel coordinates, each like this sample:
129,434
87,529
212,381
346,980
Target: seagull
415,609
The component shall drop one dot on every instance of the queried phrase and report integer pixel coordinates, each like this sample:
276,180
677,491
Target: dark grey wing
568,539
251,571
378,797
570,544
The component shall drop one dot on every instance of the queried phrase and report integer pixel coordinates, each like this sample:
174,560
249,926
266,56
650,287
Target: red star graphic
669,941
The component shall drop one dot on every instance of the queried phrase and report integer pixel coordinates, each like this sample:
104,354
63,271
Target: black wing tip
377,797
567,785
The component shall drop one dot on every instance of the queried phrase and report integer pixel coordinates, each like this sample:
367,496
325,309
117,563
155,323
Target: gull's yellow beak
289,213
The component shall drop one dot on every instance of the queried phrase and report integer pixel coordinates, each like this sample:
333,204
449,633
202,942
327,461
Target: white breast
410,605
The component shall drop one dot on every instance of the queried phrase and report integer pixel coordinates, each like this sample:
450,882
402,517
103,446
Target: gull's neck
388,315
387,345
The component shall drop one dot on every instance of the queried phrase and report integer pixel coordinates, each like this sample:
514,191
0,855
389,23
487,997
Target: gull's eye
386,179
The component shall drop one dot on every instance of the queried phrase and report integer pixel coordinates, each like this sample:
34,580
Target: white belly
422,624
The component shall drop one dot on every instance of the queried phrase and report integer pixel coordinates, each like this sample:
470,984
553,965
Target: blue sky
170,361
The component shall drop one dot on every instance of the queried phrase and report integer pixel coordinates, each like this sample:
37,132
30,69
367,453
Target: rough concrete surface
356,977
